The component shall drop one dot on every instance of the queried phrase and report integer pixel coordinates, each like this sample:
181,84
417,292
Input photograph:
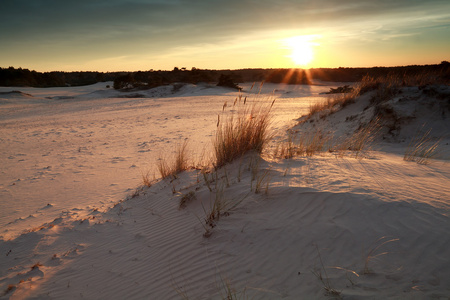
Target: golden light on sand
301,48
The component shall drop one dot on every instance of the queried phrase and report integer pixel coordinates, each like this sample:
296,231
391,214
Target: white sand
84,155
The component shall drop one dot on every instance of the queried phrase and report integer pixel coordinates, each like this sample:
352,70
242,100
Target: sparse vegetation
306,144
333,104
186,198
261,180
146,179
179,163
219,206
372,254
242,131
225,289
243,128
362,138
385,86
421,148
329,290
228,292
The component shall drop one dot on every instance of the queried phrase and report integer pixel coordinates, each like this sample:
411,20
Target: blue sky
114,35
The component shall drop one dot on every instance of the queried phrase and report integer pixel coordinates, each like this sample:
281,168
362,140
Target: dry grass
361,140
286,149
228,292
333,104
421,148
329,290
244,129
306,144
374,253
179,163
219,206
225,290
385,88
146,179
186,198
261,179
313,142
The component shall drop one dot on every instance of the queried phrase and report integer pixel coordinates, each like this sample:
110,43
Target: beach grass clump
243,129
421,148
178,164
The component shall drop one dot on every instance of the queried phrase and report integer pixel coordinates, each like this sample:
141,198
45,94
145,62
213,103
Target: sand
76,222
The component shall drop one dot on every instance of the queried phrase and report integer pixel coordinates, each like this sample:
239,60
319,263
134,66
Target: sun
301,48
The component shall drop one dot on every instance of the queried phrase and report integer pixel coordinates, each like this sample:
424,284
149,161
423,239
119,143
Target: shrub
227,81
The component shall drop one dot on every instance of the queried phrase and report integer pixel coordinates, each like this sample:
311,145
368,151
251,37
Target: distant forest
147,79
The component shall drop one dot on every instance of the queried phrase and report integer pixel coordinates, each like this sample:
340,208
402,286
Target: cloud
186,19
113,28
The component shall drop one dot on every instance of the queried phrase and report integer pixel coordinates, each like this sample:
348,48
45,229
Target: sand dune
371,228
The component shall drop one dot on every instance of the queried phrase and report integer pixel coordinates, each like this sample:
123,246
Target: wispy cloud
153,27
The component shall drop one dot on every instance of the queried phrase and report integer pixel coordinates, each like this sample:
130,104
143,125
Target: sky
121,35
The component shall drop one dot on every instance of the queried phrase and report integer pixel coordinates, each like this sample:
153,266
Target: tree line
148,79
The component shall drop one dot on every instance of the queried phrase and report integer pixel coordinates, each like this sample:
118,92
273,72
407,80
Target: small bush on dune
244,129
341,89
227,81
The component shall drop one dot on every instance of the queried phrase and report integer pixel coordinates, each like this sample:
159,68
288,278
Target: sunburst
302,51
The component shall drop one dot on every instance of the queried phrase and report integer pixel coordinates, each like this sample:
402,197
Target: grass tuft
178,165
244,129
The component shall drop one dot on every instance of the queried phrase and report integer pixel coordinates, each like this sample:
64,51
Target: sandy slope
87,147
322,214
